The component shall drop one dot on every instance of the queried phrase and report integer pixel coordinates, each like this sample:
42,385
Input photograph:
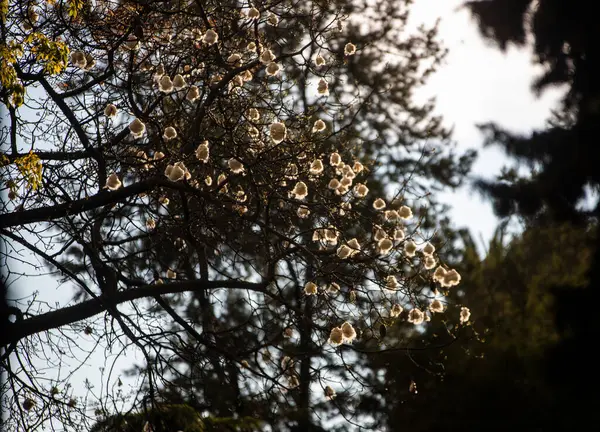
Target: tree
501,382
562,159
176,173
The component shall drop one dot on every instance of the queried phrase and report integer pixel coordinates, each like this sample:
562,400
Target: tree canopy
239,193
563,180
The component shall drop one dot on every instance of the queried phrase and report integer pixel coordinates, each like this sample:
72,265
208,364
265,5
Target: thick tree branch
101,199
89,308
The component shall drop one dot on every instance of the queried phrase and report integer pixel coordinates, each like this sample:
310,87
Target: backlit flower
310,288
436,306
350,49
336,336
278,132
300,190
273,69
348,332
179,82
210,37
170,133
202,152
193,93
165,84
110,110
416,317
235,166
405,212
137,128
379,204
323,87
396,310
465,315
113,182
316,167
410,248
329,393
267,56
319,126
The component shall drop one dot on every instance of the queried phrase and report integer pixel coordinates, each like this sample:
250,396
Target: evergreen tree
563,160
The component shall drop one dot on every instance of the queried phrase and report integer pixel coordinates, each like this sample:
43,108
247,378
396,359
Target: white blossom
355,245
391,283
272,19
357,167
179,82
110,110
385,246
78,59
405,212
429,262
344,252
113,182
391,215
451,278
465,315
396,310
350,49
137,128
210,37
398,234
416,317
273,69
202,152
334,184
253,13
235,59
235,166
436,306
361,190
303,212
319,126
253,114
316,167
335,159
428,249
165,84
193,93
267,56
333,288
439,274
278,132
379,204
348,332
410,248
336,336
300,190
170,133
319,60
310,288
323,87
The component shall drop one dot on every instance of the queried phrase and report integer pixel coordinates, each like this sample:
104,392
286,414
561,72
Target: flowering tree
172,163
